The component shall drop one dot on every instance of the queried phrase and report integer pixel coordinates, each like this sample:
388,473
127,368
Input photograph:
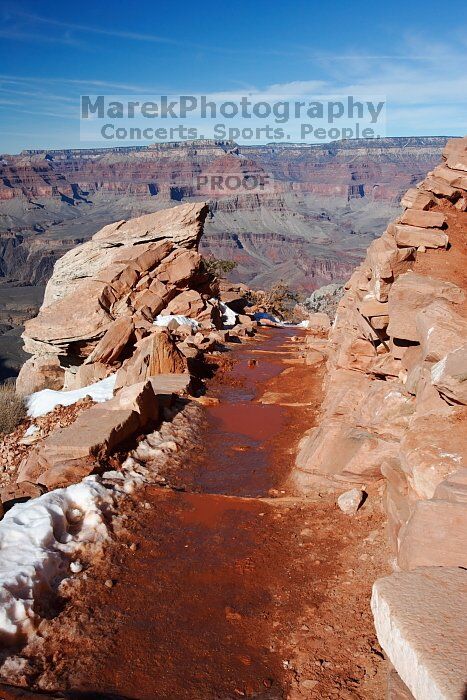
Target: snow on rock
164,321
42,402
37,540
31,430
229,317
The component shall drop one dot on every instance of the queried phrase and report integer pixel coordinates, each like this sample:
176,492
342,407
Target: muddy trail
226,585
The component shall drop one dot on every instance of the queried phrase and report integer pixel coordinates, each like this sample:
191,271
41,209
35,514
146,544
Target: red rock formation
104,295
396,402
379,169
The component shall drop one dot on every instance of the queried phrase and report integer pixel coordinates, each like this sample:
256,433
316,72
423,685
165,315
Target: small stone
109,583
308,684
133,546
421,249
74,515
76,567
350,501
168,446
207,400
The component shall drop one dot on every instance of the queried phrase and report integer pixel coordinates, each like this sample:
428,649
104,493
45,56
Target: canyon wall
329,196
376,168
395,410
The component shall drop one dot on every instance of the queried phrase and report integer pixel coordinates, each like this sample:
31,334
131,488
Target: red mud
218,597
235,453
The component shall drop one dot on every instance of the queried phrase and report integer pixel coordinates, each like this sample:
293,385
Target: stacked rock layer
395,403
103,297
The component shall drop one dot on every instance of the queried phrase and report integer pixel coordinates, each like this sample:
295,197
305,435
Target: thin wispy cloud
152,38
89,29
297,50
29,37
73,82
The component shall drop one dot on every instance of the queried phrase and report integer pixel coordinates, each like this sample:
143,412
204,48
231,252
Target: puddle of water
237,458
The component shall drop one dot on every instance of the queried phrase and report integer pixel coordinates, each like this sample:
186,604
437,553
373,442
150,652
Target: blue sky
51,52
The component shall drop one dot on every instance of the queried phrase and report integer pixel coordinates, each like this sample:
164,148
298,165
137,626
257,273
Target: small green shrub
12,408
219,268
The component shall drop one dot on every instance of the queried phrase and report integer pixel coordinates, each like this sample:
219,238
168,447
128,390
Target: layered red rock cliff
372,168
319,208
396,410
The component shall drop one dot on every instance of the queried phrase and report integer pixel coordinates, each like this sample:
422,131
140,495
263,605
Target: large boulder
37,373
112,345
435,535
69,454
386,261
421,623
411,293
155,354
181,226
455,154
70,319
449,375
424,219
104,295
337,452
441,330
414,236
433,447
318,323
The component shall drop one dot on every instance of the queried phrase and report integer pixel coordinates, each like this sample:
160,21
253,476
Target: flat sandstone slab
171,383
421,622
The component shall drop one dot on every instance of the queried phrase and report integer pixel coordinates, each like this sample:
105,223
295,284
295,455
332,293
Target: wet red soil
236,448
220,596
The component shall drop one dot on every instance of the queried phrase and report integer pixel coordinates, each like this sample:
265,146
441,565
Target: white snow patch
31,430
42,402
229,317
37,540
451,455
164,321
